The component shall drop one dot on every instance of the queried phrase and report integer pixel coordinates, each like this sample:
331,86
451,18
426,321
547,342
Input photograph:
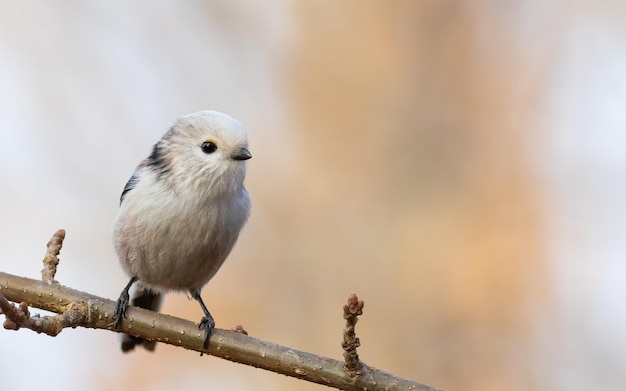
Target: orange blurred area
405,151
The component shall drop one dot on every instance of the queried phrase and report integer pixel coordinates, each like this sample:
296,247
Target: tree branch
81,309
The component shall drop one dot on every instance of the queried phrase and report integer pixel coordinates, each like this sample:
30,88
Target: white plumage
181,213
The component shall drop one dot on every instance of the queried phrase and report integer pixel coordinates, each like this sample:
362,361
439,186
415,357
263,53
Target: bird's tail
144,298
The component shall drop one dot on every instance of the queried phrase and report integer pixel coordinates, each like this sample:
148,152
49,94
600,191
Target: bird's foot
207,324
120,308
122,304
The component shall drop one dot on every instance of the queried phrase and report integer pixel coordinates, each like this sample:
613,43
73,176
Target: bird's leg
122,304
207,323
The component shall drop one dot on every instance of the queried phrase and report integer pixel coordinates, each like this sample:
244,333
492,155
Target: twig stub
51,259
351,312
239,329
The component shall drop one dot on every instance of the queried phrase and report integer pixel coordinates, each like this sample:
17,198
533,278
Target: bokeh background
460,165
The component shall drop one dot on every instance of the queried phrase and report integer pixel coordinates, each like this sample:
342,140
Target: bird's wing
132,182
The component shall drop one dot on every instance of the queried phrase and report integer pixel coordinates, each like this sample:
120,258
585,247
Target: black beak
242,154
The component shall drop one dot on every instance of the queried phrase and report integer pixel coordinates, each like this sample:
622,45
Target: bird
180,215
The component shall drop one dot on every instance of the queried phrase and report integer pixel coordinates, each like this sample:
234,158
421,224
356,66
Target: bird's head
205,150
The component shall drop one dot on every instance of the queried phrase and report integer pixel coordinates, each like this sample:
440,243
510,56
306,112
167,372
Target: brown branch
19,316
81,309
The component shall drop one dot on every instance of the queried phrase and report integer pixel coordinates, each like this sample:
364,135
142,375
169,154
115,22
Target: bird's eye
209,147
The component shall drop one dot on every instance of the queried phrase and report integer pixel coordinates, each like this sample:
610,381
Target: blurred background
460,165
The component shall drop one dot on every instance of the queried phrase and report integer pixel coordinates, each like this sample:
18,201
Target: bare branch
81,309
86,310
17,317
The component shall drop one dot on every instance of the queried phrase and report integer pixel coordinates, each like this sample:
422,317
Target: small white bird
181,213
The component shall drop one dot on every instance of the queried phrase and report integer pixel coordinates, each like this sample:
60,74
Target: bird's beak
241,154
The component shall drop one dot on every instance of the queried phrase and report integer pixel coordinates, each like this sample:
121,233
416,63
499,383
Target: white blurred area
461,166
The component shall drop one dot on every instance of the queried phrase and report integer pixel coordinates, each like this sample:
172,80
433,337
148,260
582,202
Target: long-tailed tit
180,214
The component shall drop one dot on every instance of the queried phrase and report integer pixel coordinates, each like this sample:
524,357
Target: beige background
459,165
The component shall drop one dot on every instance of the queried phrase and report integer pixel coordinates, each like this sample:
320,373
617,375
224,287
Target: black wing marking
157,160
132,182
